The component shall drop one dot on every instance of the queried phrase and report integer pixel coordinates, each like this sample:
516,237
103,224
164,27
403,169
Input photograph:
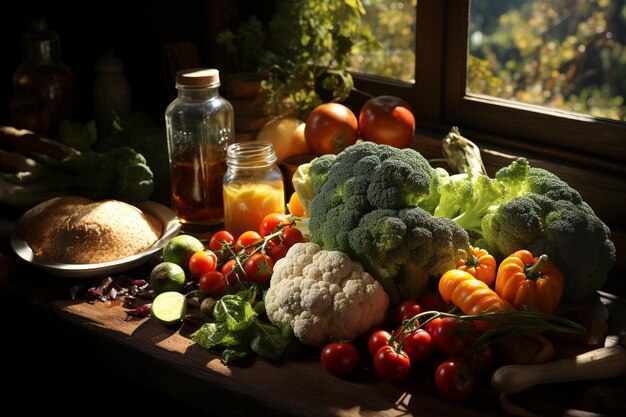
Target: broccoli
120,173
372,202
542,213
467,199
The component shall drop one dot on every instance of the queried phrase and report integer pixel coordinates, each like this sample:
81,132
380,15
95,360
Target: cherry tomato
481,359
418,345
406,310
390,365
232,272
431,301
201,262
278,252
259,268
291,236
330,128
248,238
451,336
271,222
221,238
213,283
340,358
454,379
377,340
387,120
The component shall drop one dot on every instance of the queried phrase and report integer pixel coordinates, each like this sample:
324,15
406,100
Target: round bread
39,223
91,232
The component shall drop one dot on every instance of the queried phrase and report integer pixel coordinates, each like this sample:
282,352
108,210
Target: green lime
169,308
167,276
180,249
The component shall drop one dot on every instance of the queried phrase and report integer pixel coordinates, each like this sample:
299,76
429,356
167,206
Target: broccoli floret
318,172
402,249
511,227
520,179
579,243
369,207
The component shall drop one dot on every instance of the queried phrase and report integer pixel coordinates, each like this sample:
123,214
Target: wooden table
36,308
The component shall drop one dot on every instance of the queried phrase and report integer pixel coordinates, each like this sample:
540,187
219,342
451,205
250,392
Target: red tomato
451,336
248,238
232,272
340,358
271,222
202,262
221,238
454,379
387,120
377,340
418,345
213,283
431,301
291,236
278,252
390,365
330,128
406,310
481,359
259,268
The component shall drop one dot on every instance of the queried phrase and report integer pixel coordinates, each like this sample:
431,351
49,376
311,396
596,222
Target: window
589,152
557,53
392,22
577,137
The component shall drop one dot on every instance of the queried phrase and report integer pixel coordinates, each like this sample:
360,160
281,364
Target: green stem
534,271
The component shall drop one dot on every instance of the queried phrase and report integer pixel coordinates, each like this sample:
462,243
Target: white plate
171,226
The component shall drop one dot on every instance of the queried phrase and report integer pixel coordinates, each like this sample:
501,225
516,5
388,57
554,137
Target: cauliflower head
324,295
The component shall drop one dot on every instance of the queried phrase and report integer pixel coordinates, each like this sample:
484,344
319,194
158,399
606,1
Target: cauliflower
324,295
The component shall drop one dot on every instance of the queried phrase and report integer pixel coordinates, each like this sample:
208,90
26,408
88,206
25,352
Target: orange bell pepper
530,282
479,263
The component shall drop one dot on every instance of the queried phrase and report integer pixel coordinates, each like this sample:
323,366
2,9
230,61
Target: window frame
439,98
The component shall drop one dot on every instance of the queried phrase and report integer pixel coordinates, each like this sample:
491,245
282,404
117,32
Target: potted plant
303,53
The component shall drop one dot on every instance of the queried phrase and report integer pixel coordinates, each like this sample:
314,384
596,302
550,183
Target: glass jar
111,90
253,186
200,127
43,85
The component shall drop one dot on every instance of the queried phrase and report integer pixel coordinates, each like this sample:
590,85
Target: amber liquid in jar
200,126
196,191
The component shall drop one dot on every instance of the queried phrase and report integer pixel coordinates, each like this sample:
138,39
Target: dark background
136,31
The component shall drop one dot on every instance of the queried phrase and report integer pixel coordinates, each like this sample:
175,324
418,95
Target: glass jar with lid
200,126
253,186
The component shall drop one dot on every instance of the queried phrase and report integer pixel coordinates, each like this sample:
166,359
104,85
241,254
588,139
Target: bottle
253,186
200,126
43,85
111,91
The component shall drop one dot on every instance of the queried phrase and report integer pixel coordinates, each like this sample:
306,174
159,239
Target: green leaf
234,353
269,341
214,334
77,135
236,309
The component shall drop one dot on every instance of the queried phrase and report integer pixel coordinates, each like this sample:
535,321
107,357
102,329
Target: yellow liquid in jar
246,204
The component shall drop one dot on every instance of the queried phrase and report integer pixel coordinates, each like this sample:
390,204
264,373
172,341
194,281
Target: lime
169,308
180,249
167,276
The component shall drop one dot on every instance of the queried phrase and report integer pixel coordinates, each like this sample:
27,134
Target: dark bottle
43,85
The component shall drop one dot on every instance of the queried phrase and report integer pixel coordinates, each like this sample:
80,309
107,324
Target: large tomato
330,128
387,120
